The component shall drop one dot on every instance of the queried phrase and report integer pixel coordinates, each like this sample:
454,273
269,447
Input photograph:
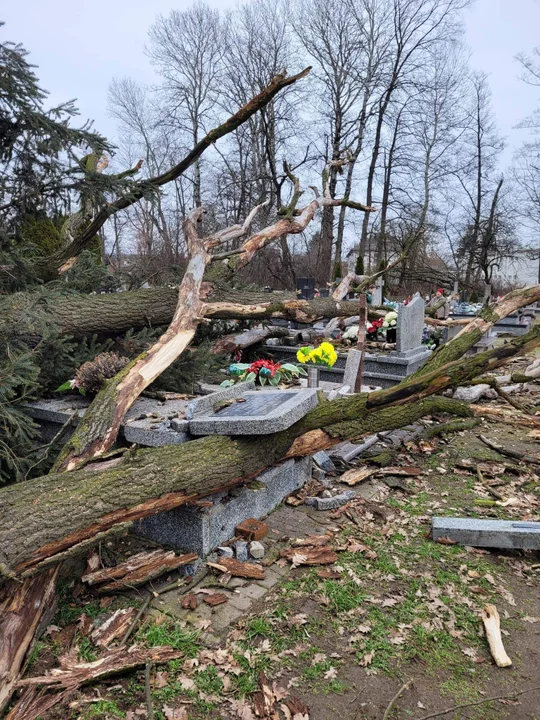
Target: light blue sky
81,46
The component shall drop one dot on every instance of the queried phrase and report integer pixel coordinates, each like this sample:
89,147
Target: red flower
258,365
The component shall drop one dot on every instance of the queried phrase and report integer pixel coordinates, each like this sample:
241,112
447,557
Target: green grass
169,633
87,651
103,709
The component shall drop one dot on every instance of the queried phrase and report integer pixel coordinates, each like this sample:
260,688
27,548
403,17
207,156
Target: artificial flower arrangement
431,337
325,354
263,371
390,320
372,329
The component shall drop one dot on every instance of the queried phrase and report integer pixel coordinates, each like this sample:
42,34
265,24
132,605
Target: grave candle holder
314,376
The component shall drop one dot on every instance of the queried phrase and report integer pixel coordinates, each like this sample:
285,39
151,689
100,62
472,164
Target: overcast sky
79,47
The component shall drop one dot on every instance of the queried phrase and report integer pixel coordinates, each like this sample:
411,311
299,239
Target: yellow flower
303,355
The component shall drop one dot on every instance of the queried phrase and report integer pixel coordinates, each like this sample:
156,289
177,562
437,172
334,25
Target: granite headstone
410,325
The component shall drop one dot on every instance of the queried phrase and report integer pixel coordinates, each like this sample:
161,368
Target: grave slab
488,533
262,412
202,530
149,422
204,404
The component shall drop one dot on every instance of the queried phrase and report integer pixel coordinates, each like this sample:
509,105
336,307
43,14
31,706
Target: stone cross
410,325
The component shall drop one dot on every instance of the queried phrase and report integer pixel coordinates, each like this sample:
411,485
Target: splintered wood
137,570
114,627
312,550
492,624
238,569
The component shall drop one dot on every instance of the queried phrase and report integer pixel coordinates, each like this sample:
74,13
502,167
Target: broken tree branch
64,256
535,460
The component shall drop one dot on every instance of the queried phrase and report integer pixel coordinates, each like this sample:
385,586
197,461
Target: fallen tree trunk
24,315
46,519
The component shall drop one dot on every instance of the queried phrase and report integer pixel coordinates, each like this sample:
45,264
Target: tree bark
46,519
113,314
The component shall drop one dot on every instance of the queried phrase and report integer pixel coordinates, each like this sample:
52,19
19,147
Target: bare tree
416,26
186,47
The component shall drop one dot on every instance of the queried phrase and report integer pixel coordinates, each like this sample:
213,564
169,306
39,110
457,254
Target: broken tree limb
462,706
72,673
534,459
50,269
45,517
229,344
21,614
478,326
492,625
449,427
292,222
138,569
504,415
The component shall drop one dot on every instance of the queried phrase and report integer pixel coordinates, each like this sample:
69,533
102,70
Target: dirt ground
396,609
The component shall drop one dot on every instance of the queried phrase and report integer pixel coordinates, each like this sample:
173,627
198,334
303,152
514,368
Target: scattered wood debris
216,599
138,569
310,555
238,569
311,489
114,626
71,674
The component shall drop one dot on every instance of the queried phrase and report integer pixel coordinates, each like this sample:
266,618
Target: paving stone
255,592
225,616
272,577
236,582
242,602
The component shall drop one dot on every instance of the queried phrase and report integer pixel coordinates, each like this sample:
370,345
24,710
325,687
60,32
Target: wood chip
310,555
238,569
216,599
190,602
357,475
